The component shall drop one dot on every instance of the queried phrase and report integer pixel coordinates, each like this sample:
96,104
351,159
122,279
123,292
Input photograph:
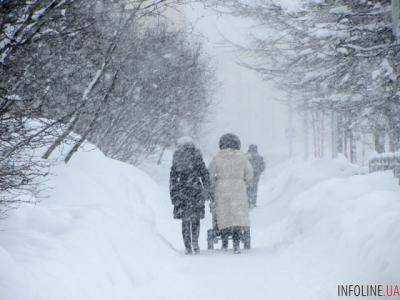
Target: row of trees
105,71
337,60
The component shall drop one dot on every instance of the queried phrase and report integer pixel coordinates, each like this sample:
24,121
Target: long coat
258,164
189,183
230,173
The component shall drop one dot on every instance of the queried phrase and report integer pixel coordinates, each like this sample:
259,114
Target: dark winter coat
189,183
257,162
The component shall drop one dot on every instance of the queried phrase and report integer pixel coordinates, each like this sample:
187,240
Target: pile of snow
106,232
93,237
318,224
329,217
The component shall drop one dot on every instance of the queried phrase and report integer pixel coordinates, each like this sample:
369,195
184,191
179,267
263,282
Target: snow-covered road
262,273
318,224
106,232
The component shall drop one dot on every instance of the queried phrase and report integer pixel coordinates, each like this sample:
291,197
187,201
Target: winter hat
229,141
253,148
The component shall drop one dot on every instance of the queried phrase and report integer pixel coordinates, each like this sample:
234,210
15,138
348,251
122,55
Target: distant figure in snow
258,164
189,187
231,173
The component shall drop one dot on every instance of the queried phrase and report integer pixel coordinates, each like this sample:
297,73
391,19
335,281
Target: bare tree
92,68
341,56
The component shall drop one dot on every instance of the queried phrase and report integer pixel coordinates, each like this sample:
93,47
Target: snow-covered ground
106,232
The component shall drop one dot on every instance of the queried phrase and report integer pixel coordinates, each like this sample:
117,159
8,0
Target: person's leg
225,238
195,228
247,238
236,231
186,235
255,193
249,194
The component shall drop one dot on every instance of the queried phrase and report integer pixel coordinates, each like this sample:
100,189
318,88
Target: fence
384,162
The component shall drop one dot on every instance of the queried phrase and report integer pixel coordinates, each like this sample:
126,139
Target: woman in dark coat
189,185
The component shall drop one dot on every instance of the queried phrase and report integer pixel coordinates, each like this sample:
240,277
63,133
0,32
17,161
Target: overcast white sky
245,102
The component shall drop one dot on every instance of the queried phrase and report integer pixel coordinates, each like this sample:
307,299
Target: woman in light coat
230,174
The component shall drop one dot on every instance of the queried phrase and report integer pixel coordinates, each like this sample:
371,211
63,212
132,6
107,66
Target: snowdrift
105,231
93,237
329,218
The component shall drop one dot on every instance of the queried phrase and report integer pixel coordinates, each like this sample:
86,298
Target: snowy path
265,272
106,232
290,258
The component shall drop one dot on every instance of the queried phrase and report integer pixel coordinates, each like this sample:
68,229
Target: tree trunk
334,146
396,18
392,142
315,138
346,143
353,147
63,136
364,149
322,135
393,136
76,147
396,134
86,93
379,141
93,122
339,135
306,130
290,129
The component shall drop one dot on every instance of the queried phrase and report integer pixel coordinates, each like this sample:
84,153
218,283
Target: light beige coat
230,173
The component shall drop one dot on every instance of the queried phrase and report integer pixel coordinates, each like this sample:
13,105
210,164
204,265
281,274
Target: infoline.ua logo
368,290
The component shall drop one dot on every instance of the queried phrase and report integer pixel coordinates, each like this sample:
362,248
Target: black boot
196,248
247,238
225,238
224,244
236,240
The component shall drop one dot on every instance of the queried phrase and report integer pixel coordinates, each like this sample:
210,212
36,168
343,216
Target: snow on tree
109,71
336,59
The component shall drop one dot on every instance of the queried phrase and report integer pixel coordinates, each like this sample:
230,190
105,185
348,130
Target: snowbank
93,237
329,217
106,232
